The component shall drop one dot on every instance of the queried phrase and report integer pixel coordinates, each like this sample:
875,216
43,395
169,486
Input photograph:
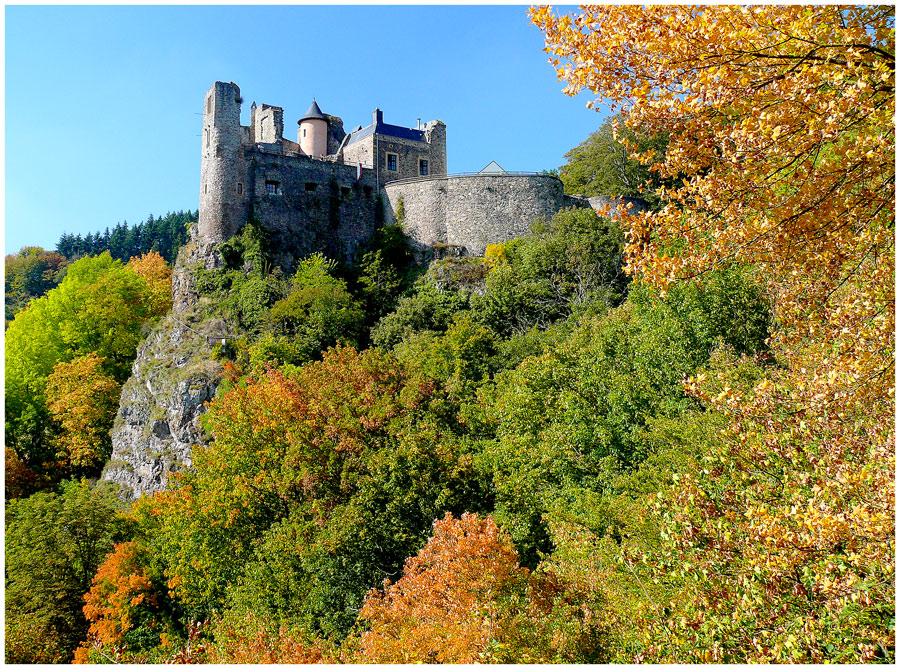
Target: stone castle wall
476,210
307,204
408,154
373,150
318,206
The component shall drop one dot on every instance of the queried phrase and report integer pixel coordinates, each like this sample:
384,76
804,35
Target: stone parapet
472,211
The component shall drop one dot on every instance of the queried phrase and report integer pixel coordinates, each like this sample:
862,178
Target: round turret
312,135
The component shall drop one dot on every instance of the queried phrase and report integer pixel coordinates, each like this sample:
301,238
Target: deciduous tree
54,545
29,274
602,164
83,400
781,124
445,607
153,269
100,307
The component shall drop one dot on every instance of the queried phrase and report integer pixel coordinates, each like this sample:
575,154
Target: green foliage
315,487
394,246
29,274
318,312
461,359
100,306
379,284
54,544
601,165
426,309
570,264
533,342
163,234
243,298
246,251
576,418
384,271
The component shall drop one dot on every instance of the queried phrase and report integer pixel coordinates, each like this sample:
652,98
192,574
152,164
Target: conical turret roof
313,112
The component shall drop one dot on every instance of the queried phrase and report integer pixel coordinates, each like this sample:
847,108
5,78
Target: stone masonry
333,203
473,211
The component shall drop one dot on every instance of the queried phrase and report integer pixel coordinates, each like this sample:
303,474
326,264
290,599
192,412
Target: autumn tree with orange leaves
445,608
780,125
465,598
82,400
121,600
152,268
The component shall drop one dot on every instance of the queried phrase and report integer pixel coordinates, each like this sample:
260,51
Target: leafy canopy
780,123
83,400
603,163
100,307
54,544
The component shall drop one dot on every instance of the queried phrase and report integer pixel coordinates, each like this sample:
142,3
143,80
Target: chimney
377,116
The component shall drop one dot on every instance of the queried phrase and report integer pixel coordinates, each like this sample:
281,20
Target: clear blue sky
102,103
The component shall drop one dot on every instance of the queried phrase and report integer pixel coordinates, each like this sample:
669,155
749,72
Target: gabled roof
313,112
492,168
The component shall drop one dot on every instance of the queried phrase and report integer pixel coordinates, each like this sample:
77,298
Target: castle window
209,104
310,185
207,137
240,189
273,188
423,168
392,162
367,190
304,132
345,191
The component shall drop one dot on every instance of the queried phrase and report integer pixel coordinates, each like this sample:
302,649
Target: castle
330,190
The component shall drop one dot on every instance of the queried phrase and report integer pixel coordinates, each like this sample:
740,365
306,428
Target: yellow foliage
83,400
782,142
494,254
153,269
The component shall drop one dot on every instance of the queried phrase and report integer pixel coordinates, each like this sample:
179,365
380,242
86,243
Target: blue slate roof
389,130
313,112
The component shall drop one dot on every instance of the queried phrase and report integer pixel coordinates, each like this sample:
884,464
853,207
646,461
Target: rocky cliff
172,379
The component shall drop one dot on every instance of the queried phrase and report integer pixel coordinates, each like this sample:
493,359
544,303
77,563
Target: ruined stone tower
223,210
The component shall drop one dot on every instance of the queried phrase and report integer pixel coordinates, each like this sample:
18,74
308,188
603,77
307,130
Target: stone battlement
329,190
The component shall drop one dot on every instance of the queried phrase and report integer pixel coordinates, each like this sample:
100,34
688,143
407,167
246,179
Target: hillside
662,438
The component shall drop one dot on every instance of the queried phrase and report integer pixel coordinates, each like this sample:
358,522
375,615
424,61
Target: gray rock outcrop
172,379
